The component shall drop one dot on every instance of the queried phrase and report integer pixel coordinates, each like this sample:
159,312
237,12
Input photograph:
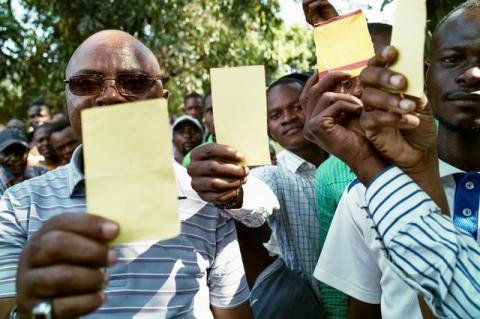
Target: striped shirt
294,223
180,277
362,270
7,179
435,257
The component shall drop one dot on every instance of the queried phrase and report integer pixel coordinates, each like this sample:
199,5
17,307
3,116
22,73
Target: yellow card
408,36
240,111
343,44
129,169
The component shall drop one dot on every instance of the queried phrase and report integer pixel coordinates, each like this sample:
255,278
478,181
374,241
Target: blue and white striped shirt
180,277
432,255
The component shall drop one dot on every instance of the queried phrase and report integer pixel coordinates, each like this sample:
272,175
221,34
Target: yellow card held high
343,44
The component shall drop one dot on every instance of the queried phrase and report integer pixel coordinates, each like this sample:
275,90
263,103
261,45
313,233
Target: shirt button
469,185
467,212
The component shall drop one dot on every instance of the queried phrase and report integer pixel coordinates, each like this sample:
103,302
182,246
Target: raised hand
217,174
63,263
402,129
333,124
317,11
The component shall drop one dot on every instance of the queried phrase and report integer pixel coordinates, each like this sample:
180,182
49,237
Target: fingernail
103,296
407,105
106,278
239,155
246,169
396,80
385,52
110,230
111,257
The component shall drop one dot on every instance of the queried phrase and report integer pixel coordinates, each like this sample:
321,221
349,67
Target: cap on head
11,137
187,119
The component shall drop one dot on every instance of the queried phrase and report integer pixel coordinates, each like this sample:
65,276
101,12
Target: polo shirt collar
76,179
447,169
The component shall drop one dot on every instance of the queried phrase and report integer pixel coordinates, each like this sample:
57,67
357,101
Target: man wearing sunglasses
54,256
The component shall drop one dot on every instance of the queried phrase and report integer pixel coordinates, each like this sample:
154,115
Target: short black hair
292,78
59,126
38,103
380,29
467,5
193,95
45,126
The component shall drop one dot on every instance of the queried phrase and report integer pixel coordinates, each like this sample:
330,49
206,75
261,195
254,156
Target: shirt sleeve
354,271
259,202
424,247
12,240
226,279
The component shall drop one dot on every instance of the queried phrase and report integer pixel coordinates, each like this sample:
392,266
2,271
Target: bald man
56,260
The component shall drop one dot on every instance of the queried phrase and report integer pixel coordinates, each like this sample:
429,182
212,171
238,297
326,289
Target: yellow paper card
129,170
408,36
240,111
343,44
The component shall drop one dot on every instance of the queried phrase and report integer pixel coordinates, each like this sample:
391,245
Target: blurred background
189,37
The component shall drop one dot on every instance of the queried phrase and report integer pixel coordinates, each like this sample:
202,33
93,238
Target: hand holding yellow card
240,111
343,44
129,170
408,37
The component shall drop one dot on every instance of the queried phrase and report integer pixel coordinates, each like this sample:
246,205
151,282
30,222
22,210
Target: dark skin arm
241,312
359,310
405,137
217,173
63,263
6,304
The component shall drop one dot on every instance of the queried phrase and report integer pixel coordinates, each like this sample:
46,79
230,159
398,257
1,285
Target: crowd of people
370,208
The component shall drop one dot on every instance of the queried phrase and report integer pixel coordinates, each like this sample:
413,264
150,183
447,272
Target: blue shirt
181,277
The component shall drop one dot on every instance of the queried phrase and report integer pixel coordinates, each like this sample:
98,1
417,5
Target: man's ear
426,70
166,94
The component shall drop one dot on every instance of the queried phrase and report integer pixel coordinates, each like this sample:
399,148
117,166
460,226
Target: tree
188,36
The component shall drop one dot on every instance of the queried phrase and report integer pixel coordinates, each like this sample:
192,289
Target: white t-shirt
353,260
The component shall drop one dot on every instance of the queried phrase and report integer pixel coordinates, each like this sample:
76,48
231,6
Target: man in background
63,140
13,160
41,140
187,133
193,105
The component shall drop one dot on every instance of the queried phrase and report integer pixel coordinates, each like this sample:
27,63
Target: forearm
414,232
6,305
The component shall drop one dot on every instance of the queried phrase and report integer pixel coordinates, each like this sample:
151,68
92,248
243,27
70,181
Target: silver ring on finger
42,310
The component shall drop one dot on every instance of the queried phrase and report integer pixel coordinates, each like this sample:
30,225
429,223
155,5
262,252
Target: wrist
367,169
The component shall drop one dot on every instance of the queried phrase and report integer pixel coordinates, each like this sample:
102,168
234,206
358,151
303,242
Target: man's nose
109,94
470,77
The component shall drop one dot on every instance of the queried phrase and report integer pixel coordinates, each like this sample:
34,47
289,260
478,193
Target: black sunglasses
127,84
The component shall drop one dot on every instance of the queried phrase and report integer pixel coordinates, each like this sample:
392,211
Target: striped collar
76,178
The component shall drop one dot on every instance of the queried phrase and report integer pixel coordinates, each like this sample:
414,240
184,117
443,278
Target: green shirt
333,176
188,158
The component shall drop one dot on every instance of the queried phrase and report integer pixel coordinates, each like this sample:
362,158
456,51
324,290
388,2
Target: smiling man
288,280
57,262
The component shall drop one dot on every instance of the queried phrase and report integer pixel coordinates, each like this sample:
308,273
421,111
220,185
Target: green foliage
188,37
